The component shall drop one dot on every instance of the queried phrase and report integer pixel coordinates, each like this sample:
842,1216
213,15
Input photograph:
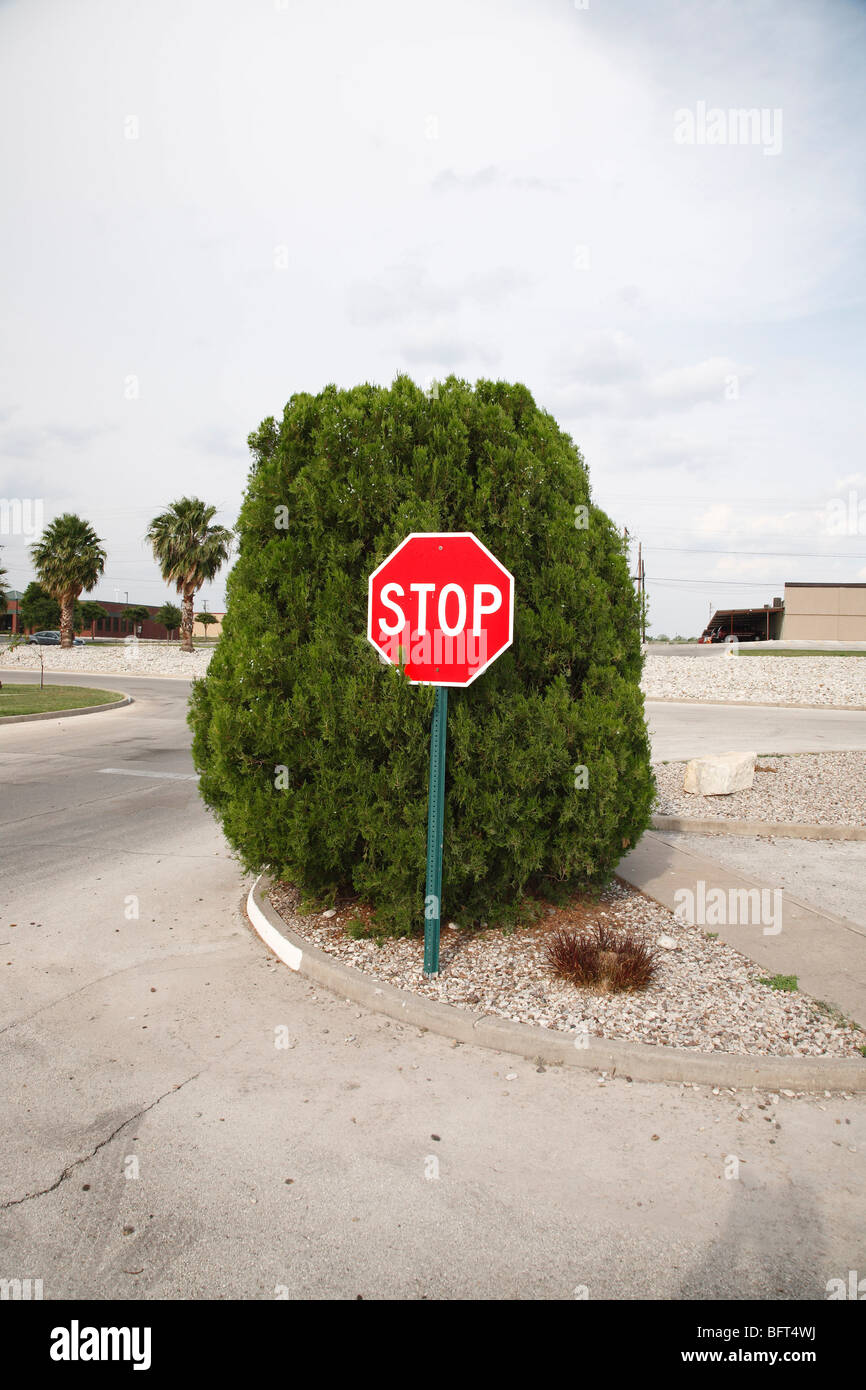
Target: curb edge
638,1061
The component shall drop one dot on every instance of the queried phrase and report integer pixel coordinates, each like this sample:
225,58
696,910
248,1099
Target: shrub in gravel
610,961
314,755
787,983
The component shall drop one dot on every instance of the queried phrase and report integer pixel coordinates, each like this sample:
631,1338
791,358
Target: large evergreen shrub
314,755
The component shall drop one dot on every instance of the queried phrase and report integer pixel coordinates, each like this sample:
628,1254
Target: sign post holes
441,607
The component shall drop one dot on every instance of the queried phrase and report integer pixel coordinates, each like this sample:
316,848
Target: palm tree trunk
187,619
66,613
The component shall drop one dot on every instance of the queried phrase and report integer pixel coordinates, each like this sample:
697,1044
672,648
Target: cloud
409,292
611,376
492,177
27,441
219,440
447,352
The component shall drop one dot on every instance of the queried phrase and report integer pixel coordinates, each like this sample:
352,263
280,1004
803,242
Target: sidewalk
825,952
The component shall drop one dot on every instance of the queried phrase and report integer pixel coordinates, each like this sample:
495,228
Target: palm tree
68,559
189,552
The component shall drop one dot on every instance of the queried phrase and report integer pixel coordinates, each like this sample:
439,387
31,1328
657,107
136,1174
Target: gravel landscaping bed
829,681
705,996
125,660
797,789
807,680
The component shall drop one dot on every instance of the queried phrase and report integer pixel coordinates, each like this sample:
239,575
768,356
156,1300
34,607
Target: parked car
723,634
50,637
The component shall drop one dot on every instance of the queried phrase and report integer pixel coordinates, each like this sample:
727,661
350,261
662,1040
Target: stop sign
441,606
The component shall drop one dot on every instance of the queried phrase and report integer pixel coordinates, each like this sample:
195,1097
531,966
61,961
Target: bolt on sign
441,607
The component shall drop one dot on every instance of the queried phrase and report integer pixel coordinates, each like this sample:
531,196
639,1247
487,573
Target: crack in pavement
76,1163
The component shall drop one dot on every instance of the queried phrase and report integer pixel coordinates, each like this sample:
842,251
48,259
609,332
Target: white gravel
787,680
124,660
801,789
827,681
705,996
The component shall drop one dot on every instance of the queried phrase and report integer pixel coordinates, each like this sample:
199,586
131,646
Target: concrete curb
744,704
132,675
639,1061
718,825
64,713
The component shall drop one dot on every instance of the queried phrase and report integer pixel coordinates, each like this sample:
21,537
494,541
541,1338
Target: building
9,619
808,613
825,612
113,626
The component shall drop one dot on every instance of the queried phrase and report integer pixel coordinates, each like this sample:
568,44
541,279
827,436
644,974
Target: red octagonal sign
442,606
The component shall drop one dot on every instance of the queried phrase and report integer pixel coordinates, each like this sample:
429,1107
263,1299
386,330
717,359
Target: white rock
330,912
668,943
721,775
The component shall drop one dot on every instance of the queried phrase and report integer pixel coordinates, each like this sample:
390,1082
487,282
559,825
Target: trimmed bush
314,755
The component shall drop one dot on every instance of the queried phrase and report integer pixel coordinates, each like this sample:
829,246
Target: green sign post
435,832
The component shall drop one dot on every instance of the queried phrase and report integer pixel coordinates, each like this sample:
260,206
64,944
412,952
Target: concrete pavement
159,1143
827,953
682,730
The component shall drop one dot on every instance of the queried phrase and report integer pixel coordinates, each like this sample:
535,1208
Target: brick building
114,626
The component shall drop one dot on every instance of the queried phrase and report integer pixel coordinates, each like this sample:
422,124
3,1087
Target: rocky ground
131,659
821,680
705,995
799,789
829,681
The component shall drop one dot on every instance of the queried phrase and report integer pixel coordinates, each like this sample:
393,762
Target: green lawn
29,699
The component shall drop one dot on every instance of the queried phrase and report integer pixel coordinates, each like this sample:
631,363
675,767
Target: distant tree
169,616
136,613
92,613
68,559
206,619
189,551
38,610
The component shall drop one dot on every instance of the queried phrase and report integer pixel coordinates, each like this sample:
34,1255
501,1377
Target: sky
209,205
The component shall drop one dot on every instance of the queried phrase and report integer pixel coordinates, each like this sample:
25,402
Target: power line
762,554
711,579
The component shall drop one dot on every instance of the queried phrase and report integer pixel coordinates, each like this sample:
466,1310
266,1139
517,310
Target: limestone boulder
720,775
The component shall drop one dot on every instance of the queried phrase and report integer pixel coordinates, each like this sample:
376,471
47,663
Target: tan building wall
212,629
825,612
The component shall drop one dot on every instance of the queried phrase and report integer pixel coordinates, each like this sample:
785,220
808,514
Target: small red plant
613,962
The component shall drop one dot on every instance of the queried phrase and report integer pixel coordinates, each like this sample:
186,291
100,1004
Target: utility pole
639,577
643,601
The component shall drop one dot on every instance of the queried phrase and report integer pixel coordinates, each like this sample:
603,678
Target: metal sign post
435,832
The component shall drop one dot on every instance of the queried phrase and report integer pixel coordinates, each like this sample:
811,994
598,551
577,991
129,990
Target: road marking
172,776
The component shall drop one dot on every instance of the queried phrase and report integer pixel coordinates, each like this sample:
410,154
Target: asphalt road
157,1144
682,730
